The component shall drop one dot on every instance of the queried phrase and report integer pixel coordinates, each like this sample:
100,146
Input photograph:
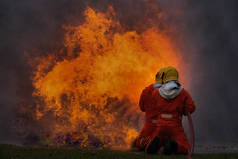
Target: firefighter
164,104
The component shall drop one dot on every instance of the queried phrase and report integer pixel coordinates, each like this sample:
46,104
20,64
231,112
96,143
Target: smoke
207,36
204,31
213,36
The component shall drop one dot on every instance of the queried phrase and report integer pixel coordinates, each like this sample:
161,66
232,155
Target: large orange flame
105,66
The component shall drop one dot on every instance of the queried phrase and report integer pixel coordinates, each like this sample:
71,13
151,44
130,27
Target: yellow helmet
159,75
170,74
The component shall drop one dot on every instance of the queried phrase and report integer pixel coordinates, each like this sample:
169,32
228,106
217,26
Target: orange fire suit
164,117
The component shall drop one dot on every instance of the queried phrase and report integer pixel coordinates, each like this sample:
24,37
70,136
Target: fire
91,92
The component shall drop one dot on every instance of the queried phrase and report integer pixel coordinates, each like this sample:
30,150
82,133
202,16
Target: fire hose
192,136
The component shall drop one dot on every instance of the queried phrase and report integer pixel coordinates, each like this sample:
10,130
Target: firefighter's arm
141,102
189,105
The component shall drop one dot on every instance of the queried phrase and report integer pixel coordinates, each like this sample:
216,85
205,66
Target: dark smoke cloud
205,31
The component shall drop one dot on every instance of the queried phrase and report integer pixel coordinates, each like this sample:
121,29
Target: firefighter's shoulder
148,89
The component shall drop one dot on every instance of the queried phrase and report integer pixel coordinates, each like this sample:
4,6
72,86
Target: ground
16,152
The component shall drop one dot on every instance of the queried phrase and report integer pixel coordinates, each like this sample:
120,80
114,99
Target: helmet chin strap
192,136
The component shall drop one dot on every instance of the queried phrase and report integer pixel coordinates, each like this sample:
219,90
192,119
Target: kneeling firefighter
164,104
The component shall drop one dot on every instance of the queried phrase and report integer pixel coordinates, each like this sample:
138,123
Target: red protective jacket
164,117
